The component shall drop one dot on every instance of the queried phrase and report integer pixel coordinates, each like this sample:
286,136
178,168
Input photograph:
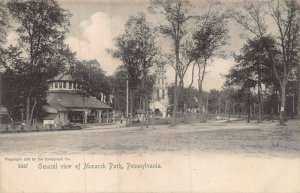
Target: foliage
253,62
11,98
136,48
190,99
177,13
118,82
3,22
4,25
92,79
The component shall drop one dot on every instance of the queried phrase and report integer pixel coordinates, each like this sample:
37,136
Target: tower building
160,99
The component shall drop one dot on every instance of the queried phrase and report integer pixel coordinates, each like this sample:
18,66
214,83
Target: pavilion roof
63,77
73,100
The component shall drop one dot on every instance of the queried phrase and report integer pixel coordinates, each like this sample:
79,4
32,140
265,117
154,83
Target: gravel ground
267,139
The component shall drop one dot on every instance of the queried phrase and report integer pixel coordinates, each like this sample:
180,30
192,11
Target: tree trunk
144,114
259,96
249,109
278,102
131,107
206,110
142,96
177,44
229,111
175,101
259,105
147,112
185,111
282,104
188,93
127,102
219,106
226,106
28,110
200,81
298,105
233,108
32,111
200,104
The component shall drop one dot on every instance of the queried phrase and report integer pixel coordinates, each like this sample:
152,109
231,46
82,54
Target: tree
286,15
177,13
3,28
229,95
186,99
11,98
214,101
40,53
3,22
118,81
210,36
196,46
254,66
136,48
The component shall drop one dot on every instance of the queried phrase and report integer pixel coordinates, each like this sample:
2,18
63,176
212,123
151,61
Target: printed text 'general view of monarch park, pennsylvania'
150,77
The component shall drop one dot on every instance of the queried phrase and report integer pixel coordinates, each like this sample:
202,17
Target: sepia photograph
149,96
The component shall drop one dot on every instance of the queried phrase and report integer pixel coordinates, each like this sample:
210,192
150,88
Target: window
64,84
60,84
158,81
163,93
56,85
162,81
70,85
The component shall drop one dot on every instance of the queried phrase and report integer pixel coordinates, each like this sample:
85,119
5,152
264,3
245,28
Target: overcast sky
95,24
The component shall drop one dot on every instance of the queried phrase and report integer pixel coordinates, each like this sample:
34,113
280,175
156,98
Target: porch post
164,112
85,116
107,116
99,115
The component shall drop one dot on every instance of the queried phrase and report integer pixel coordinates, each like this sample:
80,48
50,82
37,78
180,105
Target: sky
96,23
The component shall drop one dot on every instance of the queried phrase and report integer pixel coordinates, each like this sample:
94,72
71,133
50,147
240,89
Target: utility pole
207,104
219,105
127,100
293,95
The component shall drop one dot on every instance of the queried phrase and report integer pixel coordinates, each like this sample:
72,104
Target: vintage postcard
149,96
